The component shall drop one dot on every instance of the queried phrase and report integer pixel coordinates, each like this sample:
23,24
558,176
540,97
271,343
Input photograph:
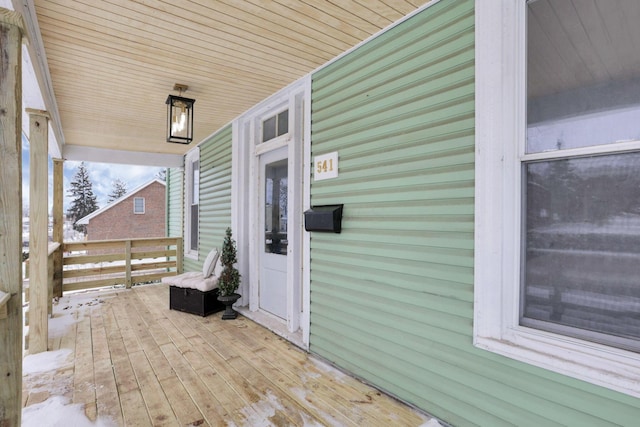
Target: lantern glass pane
180,119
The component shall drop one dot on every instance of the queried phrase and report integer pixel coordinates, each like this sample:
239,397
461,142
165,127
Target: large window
192,202
558,187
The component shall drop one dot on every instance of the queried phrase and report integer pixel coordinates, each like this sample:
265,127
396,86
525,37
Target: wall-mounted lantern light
180,116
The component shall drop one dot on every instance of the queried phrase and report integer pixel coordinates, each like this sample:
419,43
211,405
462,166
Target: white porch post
38,236
11,29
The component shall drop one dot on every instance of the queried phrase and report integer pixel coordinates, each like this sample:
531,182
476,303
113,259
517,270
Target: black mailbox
324,218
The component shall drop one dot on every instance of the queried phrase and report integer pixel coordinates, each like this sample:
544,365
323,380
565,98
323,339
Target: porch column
58,225
39,295
11,29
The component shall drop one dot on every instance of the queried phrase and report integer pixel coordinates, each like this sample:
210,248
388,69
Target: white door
274,177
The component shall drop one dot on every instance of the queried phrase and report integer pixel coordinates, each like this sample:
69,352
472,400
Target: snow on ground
66,307
321,366
266,412
69,309
48,376
46,361
432,423
58,412
327,368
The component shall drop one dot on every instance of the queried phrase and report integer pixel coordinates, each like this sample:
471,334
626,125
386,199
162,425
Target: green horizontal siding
392,295
215,191
175,202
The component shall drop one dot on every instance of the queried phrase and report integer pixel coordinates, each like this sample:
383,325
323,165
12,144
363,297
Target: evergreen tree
162,175
119,189
84,201
230,277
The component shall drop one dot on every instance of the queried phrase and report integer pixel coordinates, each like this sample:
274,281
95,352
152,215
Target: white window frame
500,28
190,158
143,206
269,114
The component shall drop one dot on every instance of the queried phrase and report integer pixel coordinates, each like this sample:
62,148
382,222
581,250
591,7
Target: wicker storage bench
196,292
194,301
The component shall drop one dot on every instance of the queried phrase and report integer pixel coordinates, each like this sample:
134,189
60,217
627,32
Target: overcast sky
102,176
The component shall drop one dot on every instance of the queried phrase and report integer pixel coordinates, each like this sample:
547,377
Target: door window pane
275,217
275,126
269,129
283,122
582,241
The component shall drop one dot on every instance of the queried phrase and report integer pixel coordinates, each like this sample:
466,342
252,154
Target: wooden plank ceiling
113,62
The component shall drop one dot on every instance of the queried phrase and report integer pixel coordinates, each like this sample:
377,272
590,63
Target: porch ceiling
111,64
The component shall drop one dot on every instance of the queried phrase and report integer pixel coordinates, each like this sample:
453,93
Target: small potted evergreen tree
229,278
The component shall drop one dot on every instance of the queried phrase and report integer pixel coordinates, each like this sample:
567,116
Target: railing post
38,239
11,28
127,252
58,225
50,273
179,255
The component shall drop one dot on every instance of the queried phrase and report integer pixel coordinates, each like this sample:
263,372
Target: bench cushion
192,280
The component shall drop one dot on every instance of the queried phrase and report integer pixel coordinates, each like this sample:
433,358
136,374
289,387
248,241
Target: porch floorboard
133,362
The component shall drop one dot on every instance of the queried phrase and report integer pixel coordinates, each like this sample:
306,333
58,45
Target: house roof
85,220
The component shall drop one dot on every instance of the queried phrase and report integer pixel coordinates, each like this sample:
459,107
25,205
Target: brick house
139,213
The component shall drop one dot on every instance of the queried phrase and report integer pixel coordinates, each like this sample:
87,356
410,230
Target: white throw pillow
217,271
209,263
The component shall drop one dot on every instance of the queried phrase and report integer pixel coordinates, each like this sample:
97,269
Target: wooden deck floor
134,362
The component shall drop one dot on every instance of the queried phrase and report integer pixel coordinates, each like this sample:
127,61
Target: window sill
598,364
191,255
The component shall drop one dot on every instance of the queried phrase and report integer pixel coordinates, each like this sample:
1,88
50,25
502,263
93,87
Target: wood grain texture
58,223
38,226
231,54
10,217
138,363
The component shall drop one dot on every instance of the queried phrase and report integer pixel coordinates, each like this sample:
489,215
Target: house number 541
326,166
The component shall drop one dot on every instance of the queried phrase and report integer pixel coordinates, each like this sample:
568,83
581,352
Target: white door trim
245,204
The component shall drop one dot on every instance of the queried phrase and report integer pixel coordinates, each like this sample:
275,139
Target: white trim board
245,174
102,155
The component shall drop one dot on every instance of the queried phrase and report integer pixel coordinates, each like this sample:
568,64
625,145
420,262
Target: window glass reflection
283,122
275,219
269,129
582,238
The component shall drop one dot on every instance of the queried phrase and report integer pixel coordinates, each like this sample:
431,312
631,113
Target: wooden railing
99,263
53,248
